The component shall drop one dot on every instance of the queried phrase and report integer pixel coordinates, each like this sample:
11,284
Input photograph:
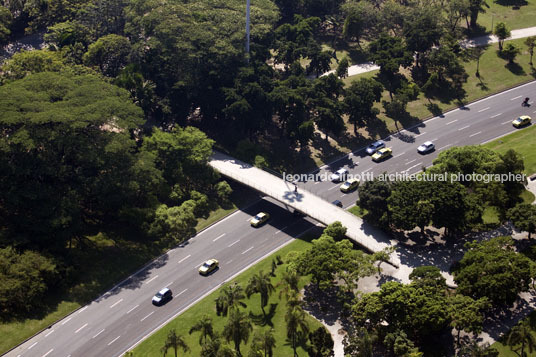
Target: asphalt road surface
119,319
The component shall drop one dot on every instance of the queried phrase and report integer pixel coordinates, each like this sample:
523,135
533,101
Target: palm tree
204,325
260,283
229,299
289,282
237,329
522,334
294,299
264,341
296,325
174,341
213,347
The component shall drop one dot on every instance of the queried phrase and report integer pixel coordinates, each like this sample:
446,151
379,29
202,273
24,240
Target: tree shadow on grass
263,320
515,69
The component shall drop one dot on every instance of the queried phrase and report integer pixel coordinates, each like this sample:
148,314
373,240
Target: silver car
426,147
375,146
339,175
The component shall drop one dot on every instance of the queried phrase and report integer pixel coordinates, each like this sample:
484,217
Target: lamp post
247,29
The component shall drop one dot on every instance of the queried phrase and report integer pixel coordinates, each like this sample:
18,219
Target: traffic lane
226,269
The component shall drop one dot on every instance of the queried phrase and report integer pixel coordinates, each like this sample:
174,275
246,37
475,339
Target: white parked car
339,175
426,147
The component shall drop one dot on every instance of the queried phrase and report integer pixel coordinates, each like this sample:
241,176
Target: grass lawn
275,318
513,18
358,211
105,263
522,141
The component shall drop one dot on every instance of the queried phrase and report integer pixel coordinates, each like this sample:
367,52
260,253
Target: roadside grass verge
275,311
100,265
514,18
523,141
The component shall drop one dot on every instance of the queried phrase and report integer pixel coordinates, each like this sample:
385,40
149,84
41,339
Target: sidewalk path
477,41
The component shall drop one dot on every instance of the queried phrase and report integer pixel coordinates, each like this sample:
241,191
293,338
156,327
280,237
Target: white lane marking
112,341
182,292
229,262
32,346
218,237
317,182
79,311
446,146
515,97
481,110
424,132
117,302
409,162
129,311
399,154
450,122
495,116
434,139
247,250
420,163
64,322
152,312
249,219
186,257
154,277
534,111
98,333
506,122
367,170
329,189
342,196
81,328
168,284
49,352
49,333
236,241
281,230
475,134
465,127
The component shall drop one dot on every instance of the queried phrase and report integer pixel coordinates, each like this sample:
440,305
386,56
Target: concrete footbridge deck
304,201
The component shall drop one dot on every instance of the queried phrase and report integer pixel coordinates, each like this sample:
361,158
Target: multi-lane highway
116,321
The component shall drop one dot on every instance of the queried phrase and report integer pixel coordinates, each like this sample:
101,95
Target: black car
337,203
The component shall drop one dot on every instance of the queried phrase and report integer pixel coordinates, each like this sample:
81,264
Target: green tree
223,191
335,230
230,299
237,329
321,343
260,283
203,325
361,18
502,33
24,63
523,216
373,196
174,341
530,42
297,326
399,344
475,7
25,278
289,283
174,223
493,269
79,171
510,52
521,334
422,30
5,23
466,314
359,101
342,68
325,104
263,342
428,276
109,53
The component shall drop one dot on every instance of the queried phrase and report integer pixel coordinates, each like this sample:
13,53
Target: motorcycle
525,103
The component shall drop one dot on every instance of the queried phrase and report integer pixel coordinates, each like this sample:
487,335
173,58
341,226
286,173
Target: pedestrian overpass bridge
304,201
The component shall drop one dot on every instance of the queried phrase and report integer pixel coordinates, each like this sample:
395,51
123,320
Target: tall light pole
247,29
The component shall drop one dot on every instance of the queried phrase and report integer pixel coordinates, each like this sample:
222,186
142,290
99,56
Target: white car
426,147
339,175
375,146
162,296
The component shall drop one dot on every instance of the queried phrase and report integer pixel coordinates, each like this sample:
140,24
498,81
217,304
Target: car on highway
521,121
259,219
339,175
209,266
425,148
382,154
337,203
350,185
375,146
162,296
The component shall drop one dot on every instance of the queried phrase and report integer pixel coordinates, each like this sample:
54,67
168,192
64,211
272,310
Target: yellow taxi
382,154
259,219
208,266
521,121
349,185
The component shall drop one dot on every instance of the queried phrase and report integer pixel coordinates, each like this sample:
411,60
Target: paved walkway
477,41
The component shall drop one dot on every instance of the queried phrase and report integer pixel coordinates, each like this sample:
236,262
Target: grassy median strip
275,312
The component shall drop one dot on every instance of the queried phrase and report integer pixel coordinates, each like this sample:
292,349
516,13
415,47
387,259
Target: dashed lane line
129,311
154,277
409,162
475,134
98,333
152,312
450,122
81,328
482,110
218,237
186,257
444,147
182,292
247,250
465,127
514,98
49,333
49,352
495,116
236,241
112,341
281,230
506,122
64,322
118,301
32,346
